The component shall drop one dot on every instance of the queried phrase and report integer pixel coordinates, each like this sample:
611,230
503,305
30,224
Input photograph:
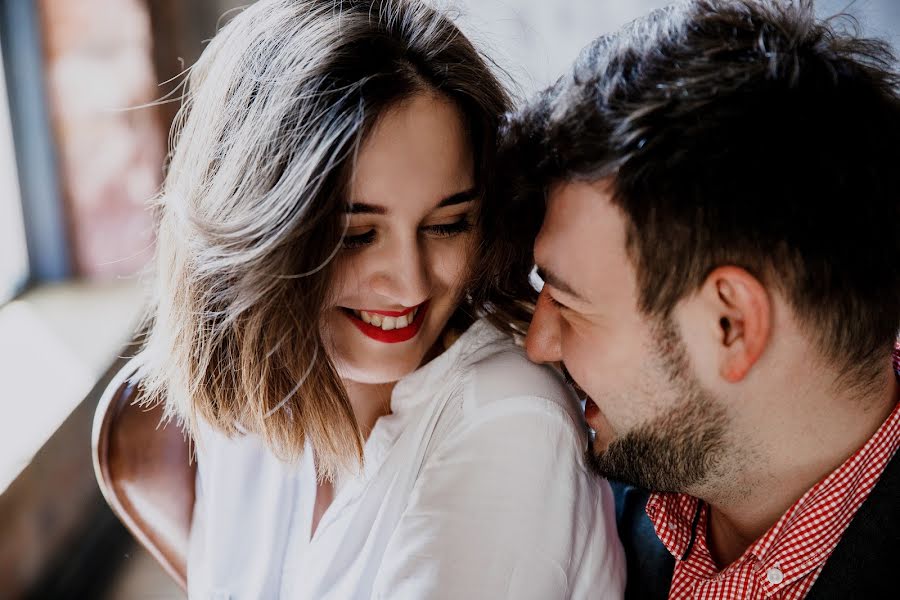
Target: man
720,255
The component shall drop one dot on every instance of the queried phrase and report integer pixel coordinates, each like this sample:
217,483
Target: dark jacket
864,564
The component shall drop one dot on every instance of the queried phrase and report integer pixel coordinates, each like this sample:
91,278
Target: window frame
43,213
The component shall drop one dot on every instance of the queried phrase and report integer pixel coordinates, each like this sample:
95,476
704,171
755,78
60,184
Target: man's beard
676,451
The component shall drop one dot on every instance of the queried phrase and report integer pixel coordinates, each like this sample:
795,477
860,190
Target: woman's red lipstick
393,336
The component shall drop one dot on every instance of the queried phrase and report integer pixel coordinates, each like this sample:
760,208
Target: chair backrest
145,472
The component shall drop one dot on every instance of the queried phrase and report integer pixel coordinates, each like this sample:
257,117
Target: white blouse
474,487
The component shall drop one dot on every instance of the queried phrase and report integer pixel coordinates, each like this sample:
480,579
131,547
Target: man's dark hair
740,132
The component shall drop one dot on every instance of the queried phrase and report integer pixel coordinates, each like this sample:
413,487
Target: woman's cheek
456,261
348,276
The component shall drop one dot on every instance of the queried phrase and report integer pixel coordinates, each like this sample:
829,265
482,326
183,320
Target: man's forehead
578,191
583,234
575,212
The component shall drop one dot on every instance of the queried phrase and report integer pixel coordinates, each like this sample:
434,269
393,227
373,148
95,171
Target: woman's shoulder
234,454
499,377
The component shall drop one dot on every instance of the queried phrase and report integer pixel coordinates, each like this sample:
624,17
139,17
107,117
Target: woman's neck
370,402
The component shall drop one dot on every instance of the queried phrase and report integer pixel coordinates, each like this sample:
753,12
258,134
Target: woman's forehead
418,152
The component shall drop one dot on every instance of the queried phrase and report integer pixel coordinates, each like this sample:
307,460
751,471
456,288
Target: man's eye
351,242
554,302
449,229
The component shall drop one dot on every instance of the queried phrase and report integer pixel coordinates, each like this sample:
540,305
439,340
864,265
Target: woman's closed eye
448,229
351,242
437,230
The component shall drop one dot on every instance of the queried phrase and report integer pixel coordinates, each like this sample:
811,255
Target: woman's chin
378,372
361,359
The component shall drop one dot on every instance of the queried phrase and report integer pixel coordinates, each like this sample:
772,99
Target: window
13,253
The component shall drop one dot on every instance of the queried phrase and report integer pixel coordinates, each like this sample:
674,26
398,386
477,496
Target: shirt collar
675,518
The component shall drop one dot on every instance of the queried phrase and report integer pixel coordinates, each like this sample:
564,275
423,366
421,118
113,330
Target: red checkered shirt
785,562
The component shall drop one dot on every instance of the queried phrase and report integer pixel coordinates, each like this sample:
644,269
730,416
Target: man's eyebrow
363,208
557,283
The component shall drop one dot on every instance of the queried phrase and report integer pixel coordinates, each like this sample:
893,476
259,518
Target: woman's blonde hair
250,211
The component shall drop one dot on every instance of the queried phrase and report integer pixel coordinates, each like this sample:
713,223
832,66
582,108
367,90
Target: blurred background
79,158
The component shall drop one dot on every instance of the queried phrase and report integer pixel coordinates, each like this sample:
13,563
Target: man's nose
542,342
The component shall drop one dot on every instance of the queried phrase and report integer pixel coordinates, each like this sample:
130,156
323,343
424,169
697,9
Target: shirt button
671,526
774,576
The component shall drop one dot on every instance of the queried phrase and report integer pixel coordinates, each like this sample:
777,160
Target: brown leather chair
145,472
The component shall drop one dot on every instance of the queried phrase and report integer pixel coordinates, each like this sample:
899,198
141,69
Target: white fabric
474,487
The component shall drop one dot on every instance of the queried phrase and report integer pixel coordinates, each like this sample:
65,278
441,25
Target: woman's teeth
386,323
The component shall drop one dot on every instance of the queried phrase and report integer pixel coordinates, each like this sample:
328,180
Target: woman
321,221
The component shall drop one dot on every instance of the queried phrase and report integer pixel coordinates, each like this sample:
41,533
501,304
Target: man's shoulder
863,563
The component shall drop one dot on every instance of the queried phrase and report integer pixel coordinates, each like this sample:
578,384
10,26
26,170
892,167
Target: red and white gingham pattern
785,562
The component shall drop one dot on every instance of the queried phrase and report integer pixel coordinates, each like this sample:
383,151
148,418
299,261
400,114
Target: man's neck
787,464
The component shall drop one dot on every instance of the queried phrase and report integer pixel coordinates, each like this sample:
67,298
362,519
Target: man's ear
743,312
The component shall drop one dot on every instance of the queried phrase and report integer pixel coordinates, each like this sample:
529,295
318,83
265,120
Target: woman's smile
386,325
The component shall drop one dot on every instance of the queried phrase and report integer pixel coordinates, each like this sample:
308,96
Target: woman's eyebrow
364,208
361,208
459,198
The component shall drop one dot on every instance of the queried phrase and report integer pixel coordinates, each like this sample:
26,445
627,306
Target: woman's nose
402,275
542,342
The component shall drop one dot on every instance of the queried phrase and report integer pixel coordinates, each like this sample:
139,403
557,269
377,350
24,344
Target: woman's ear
742,310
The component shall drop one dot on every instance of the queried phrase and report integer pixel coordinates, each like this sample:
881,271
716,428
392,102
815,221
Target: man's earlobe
745,320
